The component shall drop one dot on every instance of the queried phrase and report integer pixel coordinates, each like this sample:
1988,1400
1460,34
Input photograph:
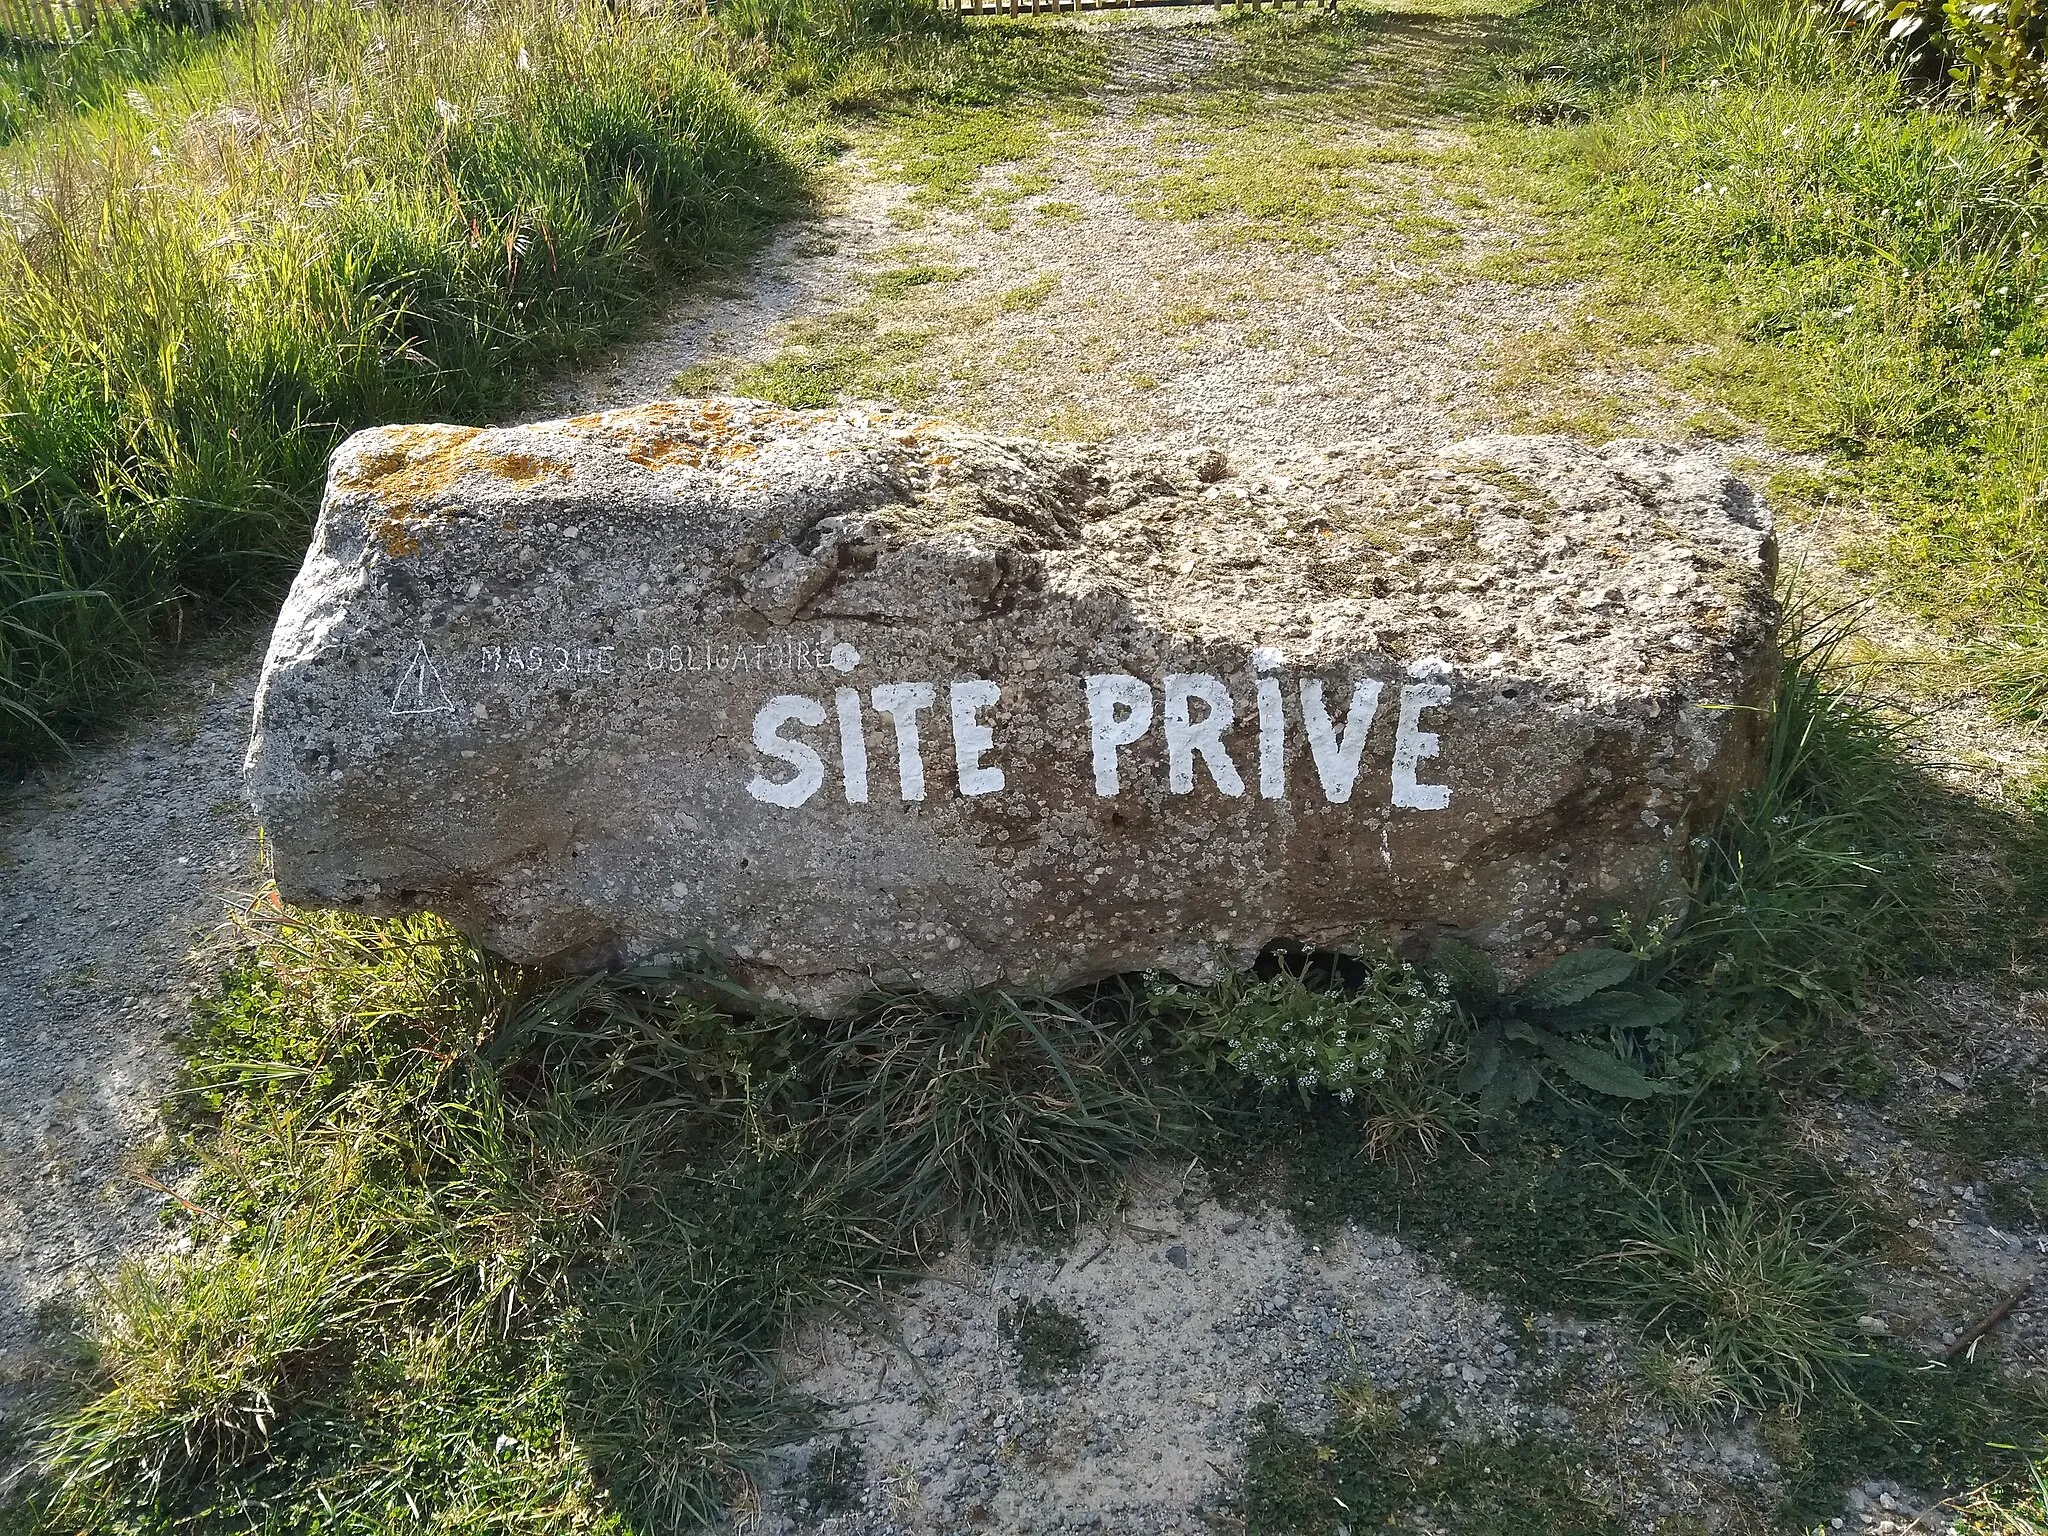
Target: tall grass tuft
993,1110
1813,896
1755,1306
339,215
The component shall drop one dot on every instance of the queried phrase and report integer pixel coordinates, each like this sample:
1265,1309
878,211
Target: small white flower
444,110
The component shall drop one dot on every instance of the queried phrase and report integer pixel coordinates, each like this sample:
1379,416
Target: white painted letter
853,745
1185,738
901,703
1272,740
971,738
810,768
1411,746
1337,756
1109,692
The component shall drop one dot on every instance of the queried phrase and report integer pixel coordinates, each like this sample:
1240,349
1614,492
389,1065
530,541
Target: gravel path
1200,1316
1086,307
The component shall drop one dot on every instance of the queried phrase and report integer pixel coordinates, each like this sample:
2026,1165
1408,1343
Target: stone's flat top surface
851,695
1623,567
1629,568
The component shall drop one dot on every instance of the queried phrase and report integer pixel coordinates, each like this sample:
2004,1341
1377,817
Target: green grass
860,353
1279,184
1391,66
194,312
1750,1297
1958,1428
1931,1427
1820,893
2002,1512
1048,1341
2006,1119
41,80
997,100
1376,1470
471,1252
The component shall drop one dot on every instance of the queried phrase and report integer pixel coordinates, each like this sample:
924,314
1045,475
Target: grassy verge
338,216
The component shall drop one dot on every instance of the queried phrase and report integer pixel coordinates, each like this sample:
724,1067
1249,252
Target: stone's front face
856,698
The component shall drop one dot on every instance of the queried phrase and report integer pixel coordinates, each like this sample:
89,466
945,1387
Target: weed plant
1048,1341
1314,1025
1996,50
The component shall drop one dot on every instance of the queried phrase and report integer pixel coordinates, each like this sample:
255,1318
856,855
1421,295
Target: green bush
1995,49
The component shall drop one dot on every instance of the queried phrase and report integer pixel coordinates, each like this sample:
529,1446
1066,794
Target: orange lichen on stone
690,434
396,537
524,468
402,452
414,467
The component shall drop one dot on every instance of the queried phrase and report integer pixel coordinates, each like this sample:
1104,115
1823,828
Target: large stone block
855,699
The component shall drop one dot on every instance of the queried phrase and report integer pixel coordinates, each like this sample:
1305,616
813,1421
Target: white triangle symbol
420,691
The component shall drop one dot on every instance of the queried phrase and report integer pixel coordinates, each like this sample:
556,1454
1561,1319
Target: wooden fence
49,21
65,21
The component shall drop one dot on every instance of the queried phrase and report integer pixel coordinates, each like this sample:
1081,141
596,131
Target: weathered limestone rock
856,698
